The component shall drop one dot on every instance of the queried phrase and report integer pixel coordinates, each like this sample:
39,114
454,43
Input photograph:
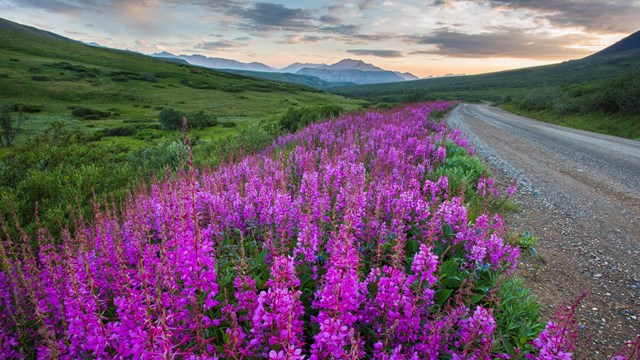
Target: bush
119,78
90,114
165,154
201,120
40,78
171,119
228,124
147,134
296,119
28,108
10,126
120,131
148,78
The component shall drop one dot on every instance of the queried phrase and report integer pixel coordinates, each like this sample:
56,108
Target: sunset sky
433,37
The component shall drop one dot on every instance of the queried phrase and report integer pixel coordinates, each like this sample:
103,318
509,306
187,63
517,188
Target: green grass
518,316
622,125
137,86
59,159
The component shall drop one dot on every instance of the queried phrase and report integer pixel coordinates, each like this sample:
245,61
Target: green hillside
55,74
85,120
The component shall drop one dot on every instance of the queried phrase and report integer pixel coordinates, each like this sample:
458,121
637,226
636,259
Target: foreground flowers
345,240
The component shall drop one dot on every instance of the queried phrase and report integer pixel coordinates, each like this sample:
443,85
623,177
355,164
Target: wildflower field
368,236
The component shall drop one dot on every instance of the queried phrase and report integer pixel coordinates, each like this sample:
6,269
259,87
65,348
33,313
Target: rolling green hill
54,74
92,122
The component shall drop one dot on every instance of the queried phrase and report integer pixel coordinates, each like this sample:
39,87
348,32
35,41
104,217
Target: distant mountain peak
631,42
352,64
163,54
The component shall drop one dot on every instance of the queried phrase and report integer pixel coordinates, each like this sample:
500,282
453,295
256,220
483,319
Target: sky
426,38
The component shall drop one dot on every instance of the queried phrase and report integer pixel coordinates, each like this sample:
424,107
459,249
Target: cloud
330,19
378,53
365,4
502,42
303,39
349,29
62,6
592,15
222,44
421,52
265,16
357,39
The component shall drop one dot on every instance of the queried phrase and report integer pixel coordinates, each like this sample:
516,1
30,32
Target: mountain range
346,71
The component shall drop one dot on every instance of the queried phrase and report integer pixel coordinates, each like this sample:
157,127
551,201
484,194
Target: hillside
55,74
92,121
630,43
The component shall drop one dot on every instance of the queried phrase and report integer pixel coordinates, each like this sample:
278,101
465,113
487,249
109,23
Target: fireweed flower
325,245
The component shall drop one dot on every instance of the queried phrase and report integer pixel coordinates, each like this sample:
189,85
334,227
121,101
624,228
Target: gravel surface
579,194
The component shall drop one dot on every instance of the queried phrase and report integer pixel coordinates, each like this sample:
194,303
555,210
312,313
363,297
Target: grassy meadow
90,120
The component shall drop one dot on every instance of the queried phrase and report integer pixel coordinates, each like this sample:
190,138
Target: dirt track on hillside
579,193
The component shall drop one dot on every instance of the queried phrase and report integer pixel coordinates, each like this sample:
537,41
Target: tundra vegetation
374,235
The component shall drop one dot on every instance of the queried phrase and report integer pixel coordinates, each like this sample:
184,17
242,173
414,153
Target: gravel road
580,195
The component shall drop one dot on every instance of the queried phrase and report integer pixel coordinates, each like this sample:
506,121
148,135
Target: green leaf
477,298
442,296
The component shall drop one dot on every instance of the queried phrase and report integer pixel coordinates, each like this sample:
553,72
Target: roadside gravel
579,194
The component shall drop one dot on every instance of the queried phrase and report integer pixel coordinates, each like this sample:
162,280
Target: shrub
10,125
89,114
171,119
119,78
201,120
147,134
120,131
40,78
297,118
29,108
148,78
228,124
165,154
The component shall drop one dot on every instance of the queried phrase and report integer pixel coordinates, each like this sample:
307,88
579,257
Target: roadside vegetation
607,106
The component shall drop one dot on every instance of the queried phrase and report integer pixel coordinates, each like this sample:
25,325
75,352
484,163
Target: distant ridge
295,67
29,30
217,63
631,42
